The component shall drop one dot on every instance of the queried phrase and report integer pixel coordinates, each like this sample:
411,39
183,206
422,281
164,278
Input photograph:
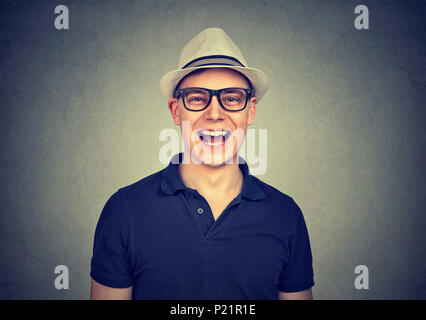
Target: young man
204,228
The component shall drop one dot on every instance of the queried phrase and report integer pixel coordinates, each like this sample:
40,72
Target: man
204,228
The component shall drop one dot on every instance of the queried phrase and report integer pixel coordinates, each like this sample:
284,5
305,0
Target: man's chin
214,161
214,164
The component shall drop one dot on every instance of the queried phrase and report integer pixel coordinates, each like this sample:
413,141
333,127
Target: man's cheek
188,134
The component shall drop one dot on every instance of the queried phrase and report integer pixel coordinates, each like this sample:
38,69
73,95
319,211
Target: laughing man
203,227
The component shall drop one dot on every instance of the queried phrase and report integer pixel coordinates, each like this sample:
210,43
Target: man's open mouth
214,137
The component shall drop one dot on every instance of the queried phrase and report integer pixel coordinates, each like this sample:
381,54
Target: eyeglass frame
180,93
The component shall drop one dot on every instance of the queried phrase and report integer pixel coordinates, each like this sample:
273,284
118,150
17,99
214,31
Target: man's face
213,136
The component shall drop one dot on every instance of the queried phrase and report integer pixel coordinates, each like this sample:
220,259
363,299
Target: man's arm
299,295
101,292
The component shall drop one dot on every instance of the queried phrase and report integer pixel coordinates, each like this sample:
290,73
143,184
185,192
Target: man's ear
174,110
252,110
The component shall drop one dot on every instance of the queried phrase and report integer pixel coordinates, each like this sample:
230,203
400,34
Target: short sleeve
297,274
110,263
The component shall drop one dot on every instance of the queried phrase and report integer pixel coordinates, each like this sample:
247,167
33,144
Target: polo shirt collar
171,181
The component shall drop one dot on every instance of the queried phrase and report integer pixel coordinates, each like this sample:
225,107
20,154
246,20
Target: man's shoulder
271,192
143,187
280,203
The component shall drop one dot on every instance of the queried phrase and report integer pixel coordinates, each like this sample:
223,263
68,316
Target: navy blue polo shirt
160,237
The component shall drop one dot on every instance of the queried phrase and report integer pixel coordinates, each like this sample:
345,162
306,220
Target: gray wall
81,112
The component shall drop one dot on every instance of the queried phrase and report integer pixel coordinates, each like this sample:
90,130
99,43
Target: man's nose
214,111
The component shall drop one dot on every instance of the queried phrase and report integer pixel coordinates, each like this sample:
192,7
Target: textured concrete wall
81,113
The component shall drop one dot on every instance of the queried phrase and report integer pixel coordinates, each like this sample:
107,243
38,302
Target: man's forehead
215,75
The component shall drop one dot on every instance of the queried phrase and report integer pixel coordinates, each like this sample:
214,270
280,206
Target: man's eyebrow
233,89
195,90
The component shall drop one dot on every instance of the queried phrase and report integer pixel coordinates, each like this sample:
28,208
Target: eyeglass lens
231,99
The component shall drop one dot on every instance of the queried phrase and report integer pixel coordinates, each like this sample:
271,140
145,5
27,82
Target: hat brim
258,79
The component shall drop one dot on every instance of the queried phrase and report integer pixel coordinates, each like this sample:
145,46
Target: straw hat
213,48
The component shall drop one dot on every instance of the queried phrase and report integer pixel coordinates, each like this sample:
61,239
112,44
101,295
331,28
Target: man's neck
226,179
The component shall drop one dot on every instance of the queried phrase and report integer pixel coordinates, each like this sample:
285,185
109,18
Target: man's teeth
213,137
215,133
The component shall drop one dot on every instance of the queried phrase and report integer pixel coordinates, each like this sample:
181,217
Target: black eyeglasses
230,99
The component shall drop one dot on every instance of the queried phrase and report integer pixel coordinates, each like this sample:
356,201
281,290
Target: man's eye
232,99
196,99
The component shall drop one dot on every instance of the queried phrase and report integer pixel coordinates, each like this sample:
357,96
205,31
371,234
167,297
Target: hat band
213,60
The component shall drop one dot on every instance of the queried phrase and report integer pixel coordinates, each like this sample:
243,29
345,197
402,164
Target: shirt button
200,210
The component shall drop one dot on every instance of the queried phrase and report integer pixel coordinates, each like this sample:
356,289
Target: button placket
199,210
231,209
